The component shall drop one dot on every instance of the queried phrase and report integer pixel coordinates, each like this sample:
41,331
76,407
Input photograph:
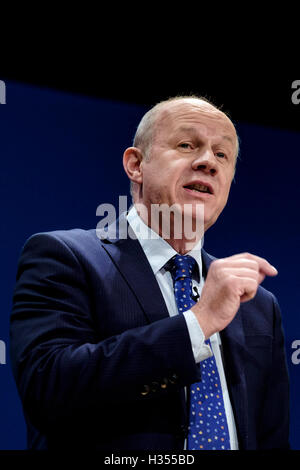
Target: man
111,349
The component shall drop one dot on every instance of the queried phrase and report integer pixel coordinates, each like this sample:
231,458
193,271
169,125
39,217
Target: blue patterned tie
208,428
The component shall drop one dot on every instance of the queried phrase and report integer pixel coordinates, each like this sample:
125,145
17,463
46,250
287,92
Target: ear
132,160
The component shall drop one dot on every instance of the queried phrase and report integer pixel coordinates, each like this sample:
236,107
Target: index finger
264,266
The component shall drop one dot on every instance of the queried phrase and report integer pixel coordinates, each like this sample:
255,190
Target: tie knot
182,266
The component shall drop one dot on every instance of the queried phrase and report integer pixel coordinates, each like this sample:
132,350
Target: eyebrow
193,130
228,137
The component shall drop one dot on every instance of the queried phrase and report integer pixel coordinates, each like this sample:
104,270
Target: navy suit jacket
99,364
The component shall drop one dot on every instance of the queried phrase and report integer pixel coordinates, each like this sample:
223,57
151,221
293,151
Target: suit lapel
129,258
233,348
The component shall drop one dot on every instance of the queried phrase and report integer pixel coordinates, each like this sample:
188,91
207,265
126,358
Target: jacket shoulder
80,244
71,238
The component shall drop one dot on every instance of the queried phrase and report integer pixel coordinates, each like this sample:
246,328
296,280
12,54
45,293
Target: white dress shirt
158,252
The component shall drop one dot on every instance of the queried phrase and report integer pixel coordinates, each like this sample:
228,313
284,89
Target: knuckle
253,287
253,264
247,255
254,282
215,265
229,280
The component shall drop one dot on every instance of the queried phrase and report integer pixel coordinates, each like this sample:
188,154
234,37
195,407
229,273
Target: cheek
224,192
162,176
157,186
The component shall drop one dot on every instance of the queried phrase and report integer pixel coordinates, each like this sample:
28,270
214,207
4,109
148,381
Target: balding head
152,120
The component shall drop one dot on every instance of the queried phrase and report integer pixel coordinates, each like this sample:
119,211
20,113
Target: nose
205,161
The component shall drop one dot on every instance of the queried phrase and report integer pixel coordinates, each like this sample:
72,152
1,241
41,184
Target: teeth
200,187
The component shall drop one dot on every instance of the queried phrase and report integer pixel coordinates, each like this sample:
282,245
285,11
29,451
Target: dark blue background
61,156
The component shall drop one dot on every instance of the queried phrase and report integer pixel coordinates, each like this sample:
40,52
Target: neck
181,232
182,246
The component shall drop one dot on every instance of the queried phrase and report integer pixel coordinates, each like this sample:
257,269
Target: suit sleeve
276,413
60,366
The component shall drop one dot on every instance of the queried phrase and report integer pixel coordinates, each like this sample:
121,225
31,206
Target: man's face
192,159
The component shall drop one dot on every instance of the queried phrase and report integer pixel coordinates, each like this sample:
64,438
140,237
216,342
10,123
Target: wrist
205,320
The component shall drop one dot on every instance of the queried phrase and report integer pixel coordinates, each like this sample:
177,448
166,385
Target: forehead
193,114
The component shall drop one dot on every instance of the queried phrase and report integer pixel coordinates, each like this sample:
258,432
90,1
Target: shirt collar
156,249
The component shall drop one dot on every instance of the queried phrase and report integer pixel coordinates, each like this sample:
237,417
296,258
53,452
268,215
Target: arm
275,418
61,364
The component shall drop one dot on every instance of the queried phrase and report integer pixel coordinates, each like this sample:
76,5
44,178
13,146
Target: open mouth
200,188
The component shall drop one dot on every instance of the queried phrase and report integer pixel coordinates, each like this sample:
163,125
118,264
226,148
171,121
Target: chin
194,222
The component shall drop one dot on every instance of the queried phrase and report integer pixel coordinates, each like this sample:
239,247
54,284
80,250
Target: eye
221,155
185,145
